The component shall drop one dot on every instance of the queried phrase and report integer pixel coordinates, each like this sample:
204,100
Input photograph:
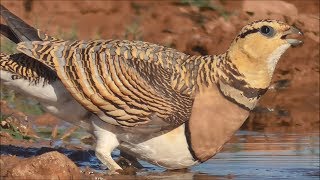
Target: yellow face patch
258,45
256,50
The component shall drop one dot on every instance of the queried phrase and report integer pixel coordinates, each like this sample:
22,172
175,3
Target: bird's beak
292,31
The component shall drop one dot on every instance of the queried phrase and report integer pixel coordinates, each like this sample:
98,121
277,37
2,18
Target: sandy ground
292,103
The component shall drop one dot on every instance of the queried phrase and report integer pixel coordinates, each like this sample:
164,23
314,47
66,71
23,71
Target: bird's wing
124,83
23,66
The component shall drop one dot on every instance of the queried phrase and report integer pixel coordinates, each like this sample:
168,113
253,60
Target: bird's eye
267,31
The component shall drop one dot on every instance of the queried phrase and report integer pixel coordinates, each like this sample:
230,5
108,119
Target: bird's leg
130,160
103,153
106,143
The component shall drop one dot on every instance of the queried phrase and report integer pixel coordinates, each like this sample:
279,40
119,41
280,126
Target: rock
280,10
51,165
6,163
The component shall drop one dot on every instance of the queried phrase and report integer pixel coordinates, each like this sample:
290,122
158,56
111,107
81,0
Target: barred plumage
132,82
25,67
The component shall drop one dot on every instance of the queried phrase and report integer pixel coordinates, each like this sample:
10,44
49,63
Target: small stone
3,123
51,165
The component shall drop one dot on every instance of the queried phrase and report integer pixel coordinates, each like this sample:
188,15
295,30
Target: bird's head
258,47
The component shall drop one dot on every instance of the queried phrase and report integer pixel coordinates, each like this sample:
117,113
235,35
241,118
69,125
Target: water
250,154
262,156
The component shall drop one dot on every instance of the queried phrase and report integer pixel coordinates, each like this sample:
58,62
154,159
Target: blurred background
291,106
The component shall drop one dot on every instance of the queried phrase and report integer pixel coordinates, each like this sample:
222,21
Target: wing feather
130,82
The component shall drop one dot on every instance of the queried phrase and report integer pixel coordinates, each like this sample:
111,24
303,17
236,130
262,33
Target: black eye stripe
244,34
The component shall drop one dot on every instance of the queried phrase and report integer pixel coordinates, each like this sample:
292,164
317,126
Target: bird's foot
128,167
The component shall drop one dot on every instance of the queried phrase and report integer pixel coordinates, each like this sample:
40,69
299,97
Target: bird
160,105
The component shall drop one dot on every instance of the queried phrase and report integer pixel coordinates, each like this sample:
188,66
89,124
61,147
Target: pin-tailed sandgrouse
156,103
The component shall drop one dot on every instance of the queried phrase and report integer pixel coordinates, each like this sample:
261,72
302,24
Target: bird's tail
7,32
16,29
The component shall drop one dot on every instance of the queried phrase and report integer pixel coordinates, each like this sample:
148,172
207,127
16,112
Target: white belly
168,150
